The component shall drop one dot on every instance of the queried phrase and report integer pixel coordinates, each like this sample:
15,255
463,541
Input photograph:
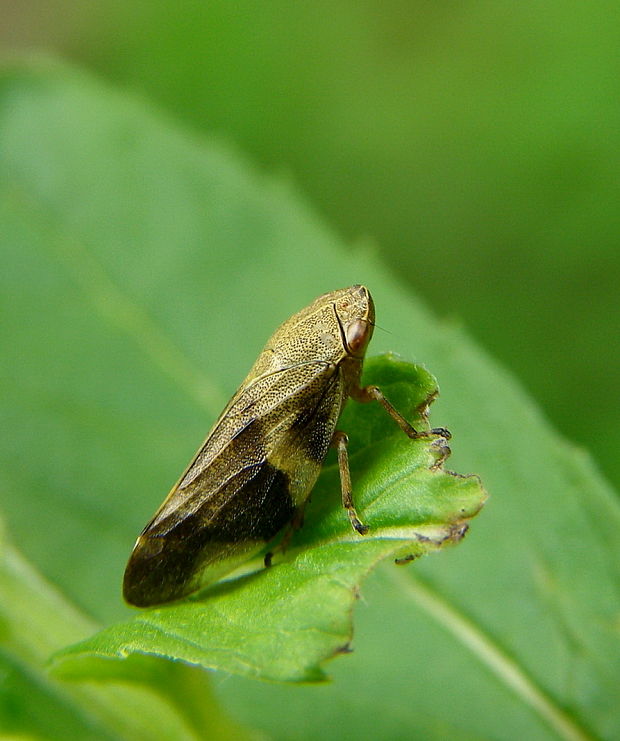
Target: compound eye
358,335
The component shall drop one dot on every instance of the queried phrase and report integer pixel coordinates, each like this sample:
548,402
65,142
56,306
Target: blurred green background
484,133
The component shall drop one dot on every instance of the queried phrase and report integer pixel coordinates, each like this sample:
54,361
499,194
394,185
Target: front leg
374,393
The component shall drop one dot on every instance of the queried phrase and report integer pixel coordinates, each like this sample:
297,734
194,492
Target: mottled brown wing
239,492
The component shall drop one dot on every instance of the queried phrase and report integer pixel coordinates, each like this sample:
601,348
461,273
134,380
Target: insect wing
256,467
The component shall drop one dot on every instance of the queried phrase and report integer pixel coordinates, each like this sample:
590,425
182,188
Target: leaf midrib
504,668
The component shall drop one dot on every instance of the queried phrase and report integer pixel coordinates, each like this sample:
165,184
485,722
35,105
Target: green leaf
282,622
150,698
143,269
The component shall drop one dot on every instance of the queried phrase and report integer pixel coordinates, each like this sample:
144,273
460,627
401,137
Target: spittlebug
256,469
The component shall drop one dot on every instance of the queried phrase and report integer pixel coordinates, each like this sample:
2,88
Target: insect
256,469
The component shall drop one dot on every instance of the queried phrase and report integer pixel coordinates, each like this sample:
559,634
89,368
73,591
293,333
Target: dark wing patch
170,557
238,502
316,421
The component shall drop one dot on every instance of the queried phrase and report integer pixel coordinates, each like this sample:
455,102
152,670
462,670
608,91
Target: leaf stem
488,653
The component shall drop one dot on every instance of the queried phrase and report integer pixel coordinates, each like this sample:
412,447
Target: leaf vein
488,653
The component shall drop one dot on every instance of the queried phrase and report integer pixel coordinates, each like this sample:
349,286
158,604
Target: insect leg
374,393
340,441
294,524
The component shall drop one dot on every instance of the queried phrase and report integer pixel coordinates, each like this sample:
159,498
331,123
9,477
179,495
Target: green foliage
143,270
150,698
